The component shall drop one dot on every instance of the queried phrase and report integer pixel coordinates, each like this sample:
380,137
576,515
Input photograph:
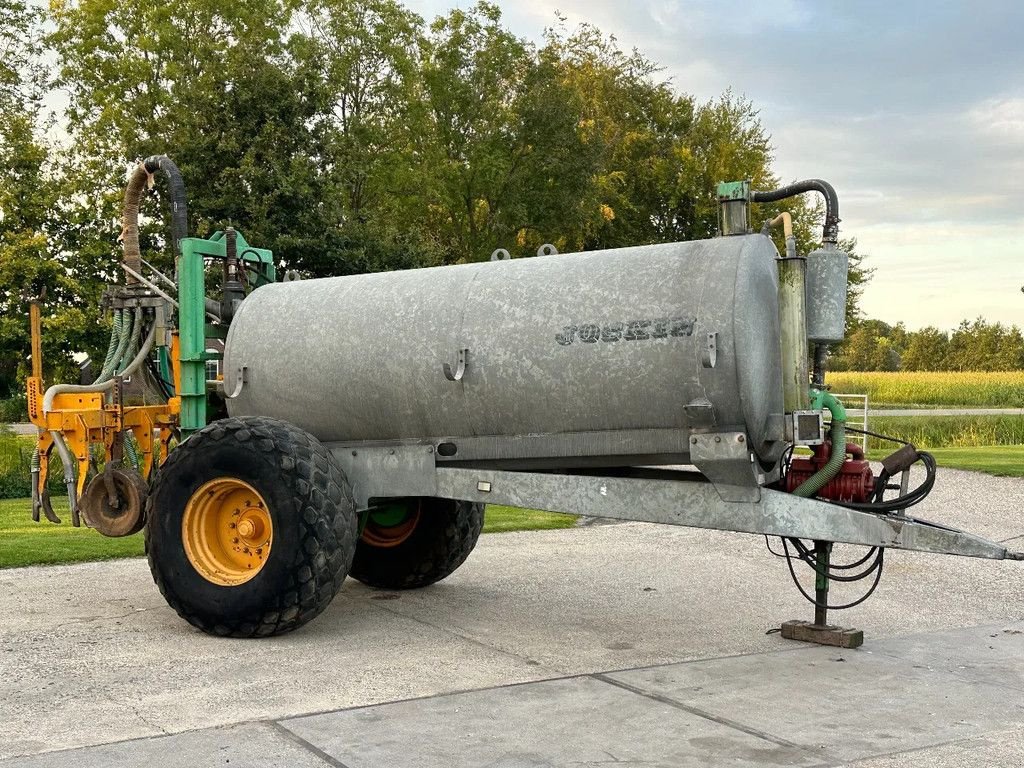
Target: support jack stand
821,632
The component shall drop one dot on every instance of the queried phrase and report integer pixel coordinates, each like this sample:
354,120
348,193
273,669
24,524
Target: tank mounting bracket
724,458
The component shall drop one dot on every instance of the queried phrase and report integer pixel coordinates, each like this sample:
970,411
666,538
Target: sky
914,111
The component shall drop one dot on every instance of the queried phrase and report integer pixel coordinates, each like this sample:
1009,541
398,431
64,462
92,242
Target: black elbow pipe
831,229
176,187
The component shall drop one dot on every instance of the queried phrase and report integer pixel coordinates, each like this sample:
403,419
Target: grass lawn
1002,460
23,542
502,519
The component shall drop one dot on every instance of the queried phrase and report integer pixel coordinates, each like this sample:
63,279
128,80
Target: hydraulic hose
831,229
133,343
129,451
127,326
34,470
115,339
821,478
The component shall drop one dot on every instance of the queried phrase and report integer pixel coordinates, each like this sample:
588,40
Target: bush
16,468
14,409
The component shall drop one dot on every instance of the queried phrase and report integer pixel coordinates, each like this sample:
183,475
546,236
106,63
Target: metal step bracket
725,459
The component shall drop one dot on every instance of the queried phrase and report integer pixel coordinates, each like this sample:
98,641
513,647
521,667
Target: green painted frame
192,327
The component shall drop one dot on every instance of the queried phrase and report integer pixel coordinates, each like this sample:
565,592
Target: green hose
133,345
122,346
129,451
115,339
821,478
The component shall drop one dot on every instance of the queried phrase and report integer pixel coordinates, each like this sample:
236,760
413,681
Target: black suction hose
831,231
176,187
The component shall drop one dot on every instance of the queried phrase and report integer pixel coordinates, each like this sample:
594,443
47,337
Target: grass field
23,542
948,431
926,388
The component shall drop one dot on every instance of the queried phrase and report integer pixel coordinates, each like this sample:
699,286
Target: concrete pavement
632,643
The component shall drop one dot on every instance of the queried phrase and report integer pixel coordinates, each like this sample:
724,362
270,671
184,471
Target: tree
871,345
502,158
926,351
225,89
28,196
984,346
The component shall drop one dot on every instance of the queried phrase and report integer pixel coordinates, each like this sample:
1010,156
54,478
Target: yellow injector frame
75,419
158,341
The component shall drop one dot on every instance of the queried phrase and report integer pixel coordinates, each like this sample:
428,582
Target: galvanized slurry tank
573,343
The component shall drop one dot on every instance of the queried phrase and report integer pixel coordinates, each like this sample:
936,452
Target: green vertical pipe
192,337
821,400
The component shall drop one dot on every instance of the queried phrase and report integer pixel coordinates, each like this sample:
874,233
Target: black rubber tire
442,540
314,521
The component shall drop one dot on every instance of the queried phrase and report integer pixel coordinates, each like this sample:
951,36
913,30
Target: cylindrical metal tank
827,271
583,343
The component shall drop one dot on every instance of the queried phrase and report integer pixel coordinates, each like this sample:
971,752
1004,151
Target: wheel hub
227,531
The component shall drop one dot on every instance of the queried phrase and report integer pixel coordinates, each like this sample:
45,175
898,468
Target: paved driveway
627,643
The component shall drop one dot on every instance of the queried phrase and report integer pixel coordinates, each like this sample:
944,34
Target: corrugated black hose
831,230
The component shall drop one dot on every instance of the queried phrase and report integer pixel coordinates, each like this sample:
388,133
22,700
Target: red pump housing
855,481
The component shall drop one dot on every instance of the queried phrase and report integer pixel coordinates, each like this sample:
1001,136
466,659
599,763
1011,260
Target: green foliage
30,261
15,467
872,345
346,135
13,410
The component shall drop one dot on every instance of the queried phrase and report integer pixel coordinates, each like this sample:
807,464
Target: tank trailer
360,424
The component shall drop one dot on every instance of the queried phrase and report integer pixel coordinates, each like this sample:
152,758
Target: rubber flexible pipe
137,184
786,219
133,343
821,478
127,325
129,451
34,469
831,229
68,463
115,339
176,190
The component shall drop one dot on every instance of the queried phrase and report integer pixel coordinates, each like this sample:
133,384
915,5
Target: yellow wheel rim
227,531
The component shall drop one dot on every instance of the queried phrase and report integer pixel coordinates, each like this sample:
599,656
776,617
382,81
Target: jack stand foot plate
807,632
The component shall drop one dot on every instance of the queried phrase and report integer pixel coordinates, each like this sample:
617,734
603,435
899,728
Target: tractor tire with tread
314,525
443,538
